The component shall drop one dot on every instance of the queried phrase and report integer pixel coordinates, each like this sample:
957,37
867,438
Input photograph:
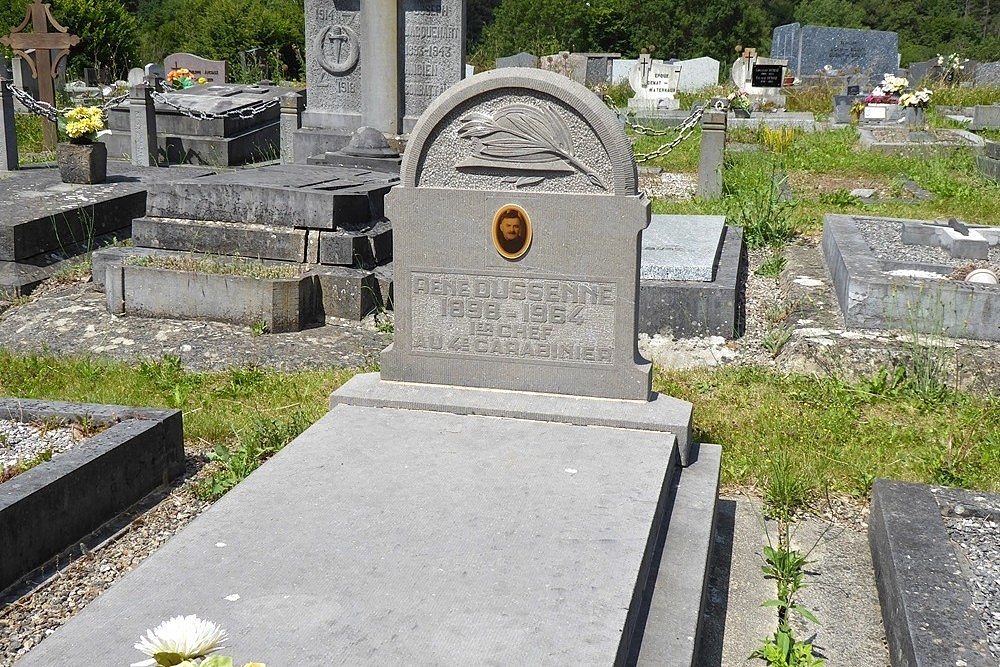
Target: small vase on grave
82,163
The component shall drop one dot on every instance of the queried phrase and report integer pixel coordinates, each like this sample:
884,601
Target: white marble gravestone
655,83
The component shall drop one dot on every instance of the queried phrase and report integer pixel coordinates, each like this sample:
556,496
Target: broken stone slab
346,292
315,197
225,238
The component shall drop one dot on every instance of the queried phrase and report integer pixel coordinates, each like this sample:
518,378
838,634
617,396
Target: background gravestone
570,65
697,73
428,38
522,59
655,84
212,70
988,74
550,307
809,49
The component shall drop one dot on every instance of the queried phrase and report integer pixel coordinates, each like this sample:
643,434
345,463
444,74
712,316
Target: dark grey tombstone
529,279
522,59
212,70
809,49
987,74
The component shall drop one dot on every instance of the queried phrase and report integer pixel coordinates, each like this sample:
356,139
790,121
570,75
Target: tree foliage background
119,34
692,28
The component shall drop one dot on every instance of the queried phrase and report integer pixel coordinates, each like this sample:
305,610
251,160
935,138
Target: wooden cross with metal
39,15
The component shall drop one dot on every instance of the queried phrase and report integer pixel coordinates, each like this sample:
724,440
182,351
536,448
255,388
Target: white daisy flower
187,636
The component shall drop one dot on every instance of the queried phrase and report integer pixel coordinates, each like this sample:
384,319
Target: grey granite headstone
212,70
988,74
522,59
430,40
698,73
809,49
516,233
154,70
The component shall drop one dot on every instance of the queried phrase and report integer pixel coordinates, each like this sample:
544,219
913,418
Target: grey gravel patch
885,237
972,520
20,442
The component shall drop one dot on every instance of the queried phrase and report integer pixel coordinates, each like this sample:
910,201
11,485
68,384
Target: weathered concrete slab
44,222
280,304
210,236
53,505
346,292
988,166
898,141
681,247
317,197
929,616
663,414
870,298
369,558
697,308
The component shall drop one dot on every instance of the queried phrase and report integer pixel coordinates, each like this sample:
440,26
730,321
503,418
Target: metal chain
245,113
683,131
48,111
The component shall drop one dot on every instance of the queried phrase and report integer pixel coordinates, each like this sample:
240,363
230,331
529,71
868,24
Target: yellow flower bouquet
83,125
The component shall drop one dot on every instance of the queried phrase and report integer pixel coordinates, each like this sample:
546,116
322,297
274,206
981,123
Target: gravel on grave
885,238
973,524
20,441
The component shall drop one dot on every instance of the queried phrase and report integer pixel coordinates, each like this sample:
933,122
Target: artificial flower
186,636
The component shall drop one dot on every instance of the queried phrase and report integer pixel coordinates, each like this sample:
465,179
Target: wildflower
187,636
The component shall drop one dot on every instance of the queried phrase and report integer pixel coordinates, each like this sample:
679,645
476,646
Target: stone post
8,135
380,94
713,151
142,124
292,106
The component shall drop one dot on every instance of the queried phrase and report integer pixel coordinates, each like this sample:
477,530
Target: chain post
292,106
8,133
142,123
713,148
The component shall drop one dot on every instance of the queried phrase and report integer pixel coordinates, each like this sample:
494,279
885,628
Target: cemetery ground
807,412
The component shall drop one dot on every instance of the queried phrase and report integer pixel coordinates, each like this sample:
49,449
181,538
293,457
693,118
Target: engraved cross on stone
645,64
338,39
43,65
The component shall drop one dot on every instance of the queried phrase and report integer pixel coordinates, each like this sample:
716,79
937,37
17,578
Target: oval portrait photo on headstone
511,231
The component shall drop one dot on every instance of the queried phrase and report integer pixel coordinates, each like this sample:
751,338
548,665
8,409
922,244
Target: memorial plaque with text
433,43
766,76
515,230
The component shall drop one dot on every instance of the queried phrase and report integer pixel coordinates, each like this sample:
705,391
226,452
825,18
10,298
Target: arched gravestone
516,242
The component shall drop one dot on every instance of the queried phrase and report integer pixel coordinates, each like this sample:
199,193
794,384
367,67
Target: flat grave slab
53,505
903,141
691,307
924,588
44,222
409,537
801,120
681,247
881,283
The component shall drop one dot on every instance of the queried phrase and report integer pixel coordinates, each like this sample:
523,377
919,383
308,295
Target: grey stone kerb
551,308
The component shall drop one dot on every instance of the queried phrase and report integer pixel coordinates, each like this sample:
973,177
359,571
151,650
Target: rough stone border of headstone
867,141
279,304
926,605
695,308
55,504
871,299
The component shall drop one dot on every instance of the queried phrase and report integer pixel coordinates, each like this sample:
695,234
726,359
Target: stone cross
43,65
645,64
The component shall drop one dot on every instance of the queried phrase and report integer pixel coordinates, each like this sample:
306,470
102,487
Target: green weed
772,266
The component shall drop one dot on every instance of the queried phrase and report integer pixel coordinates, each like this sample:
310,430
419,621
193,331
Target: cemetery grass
820,169
235,419
796,437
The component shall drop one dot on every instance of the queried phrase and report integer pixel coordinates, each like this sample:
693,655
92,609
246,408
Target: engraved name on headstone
516,230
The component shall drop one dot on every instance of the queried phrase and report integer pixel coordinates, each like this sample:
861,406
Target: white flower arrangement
919,99
893,85
184,641
953,63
